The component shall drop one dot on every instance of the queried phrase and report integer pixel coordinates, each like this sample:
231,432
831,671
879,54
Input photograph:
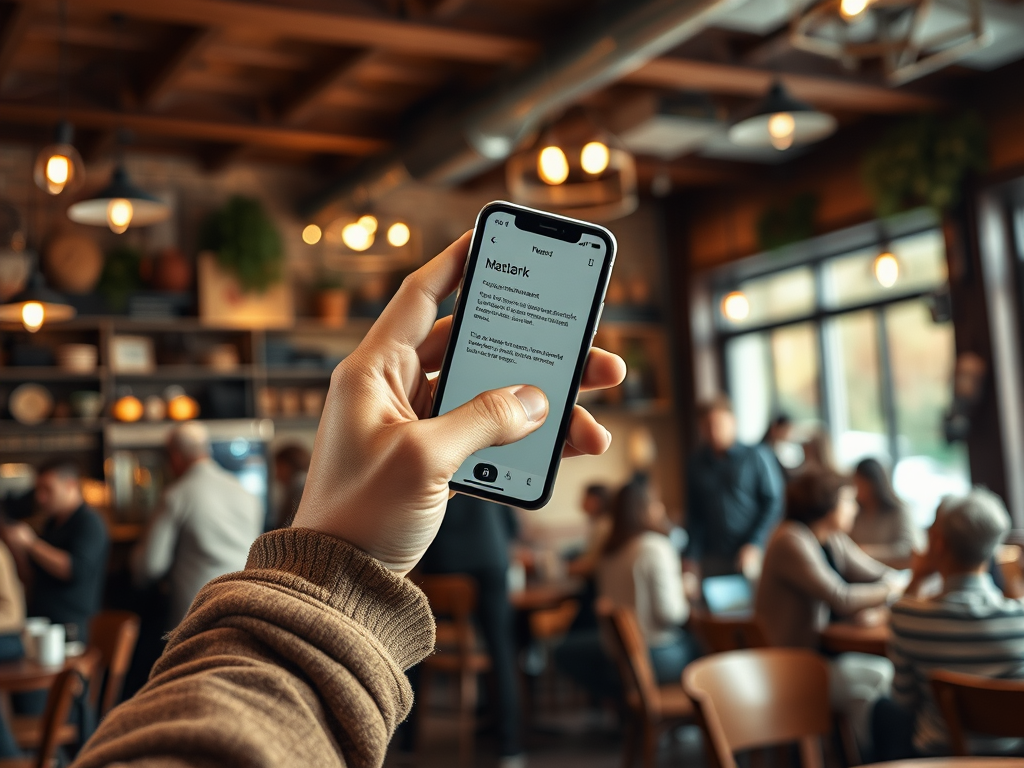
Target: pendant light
36,304
781,121
119,205
59,167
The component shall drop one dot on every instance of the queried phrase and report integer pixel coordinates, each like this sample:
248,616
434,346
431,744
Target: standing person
734,497
66,563
884,527
971,627
474,539
205,526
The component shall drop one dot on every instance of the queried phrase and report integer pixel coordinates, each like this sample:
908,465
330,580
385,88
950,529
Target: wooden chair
454,598
1010,559
113,634
719,634
653,707
65,687
761,698
972,704
30,731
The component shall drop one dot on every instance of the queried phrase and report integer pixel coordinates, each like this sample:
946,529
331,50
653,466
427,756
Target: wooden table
843,638
26,675
539,597
954,762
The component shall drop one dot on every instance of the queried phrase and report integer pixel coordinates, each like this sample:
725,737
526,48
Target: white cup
51,646
35,628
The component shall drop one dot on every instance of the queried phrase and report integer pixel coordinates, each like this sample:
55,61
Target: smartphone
526,313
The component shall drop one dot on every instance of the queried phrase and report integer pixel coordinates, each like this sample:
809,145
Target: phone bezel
563,222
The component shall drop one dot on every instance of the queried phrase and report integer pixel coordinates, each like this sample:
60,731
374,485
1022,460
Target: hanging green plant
246,243
121,276
924,160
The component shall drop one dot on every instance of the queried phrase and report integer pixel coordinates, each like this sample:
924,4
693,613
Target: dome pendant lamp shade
36,304
119,205
781,121
59,167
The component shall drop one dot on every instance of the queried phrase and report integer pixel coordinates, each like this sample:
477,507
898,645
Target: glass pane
777,297
922,355
795,360
750,384
858,422
850,279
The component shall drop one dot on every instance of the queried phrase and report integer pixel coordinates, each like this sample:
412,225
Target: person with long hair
884,527
641,569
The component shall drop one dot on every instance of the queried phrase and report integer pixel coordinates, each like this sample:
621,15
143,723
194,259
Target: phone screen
526,306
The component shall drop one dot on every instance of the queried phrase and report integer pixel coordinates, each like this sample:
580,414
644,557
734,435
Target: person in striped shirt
969,627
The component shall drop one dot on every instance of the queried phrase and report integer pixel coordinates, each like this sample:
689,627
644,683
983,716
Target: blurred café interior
804,543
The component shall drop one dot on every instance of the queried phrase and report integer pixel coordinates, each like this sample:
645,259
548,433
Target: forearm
54,561
296,661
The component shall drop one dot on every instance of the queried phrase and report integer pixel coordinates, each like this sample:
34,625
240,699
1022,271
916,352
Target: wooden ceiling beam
826,92
301,105
192,46
328,28
195,130
12,34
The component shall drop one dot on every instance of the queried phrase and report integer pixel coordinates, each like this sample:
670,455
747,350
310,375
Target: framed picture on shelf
132,354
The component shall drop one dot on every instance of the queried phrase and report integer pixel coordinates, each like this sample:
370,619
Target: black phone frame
560,228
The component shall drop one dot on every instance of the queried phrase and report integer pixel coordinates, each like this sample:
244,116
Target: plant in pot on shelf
241,272
332,301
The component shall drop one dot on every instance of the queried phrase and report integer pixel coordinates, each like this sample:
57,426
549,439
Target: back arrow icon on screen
493,240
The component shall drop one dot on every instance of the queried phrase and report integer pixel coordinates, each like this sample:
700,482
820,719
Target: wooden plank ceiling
327,82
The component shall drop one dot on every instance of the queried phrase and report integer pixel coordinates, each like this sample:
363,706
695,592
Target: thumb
497,417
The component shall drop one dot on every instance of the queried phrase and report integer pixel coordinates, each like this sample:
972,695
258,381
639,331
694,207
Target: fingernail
607,433
534,402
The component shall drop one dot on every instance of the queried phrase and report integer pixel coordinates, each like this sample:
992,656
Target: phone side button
597,323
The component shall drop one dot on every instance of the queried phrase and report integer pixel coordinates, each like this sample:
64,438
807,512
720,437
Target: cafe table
28,675
844,637
540,596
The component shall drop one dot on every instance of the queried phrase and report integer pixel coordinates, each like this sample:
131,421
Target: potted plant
242,269
332,301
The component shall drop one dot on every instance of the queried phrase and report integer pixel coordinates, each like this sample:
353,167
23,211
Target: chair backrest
719,634
972,704
455,597
1010,559
761,698
66,686
113,634
621,631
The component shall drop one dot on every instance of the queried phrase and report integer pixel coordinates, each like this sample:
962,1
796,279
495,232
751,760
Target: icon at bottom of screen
486,473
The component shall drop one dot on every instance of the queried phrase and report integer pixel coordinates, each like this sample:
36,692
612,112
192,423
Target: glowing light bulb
552,166
781,127
398,234
594,157
851,9
311,234
887,270
736,307
356,237
119,214
58,173
369,223
32,316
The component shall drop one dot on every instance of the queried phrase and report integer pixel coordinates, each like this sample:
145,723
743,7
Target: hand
748,561
379,474
19,536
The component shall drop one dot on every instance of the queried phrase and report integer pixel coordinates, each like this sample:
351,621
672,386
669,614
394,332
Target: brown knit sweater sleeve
296,661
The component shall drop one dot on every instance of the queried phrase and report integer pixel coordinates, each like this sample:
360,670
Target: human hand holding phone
379,474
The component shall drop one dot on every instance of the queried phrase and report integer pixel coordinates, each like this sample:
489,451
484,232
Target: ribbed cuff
393,609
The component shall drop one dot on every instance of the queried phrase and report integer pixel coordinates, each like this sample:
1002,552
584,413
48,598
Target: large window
842,346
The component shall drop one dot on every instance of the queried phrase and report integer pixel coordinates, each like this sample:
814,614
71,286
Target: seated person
599,523
884,527
12,622
67,562
291,465
811,570
970,628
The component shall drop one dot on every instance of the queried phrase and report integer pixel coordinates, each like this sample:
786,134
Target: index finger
411,313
